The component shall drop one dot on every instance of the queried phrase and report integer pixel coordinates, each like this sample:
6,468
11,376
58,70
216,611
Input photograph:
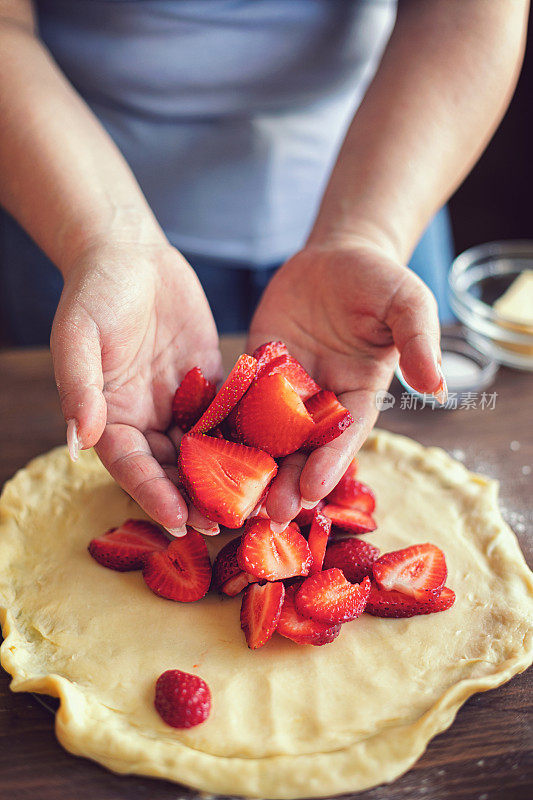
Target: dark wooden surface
486,755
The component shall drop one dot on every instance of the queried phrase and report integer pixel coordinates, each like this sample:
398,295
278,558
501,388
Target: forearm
444,83
63,178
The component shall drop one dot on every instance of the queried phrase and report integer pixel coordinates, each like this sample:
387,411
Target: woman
173,133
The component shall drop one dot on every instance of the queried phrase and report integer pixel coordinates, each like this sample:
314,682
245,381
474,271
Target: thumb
414,321
77,358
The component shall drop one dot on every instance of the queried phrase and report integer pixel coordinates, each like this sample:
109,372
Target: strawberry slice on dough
398,606
318,539
260,610
182,572
273,556
328,597
354,557
303,630
418,571
124,548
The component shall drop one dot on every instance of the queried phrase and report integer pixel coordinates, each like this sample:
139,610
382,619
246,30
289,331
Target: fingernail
308,504
278,527
441,395
73,440
214,530
178,532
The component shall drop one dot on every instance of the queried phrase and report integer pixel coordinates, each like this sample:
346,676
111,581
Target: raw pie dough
287,720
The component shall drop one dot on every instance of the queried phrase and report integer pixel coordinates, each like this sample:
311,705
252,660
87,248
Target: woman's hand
345,313
132,320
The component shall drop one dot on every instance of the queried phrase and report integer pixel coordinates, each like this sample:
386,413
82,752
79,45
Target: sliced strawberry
260,510
353,556
228,426
330,418
290,368
182,700
228,577
125,547
228,395
235,585
224,480
272,417
418,571
260,610
395,604
303,630
350,519
305,515
273,556
182,572
318,539
269,351
192,397
352,494
328,597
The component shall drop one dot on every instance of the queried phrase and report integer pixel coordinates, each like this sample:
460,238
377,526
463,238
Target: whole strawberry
182,700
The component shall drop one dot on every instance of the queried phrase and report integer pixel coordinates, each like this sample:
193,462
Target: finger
200,523
414,322
175,435
283,501
163,450
76,354
125,453
326,465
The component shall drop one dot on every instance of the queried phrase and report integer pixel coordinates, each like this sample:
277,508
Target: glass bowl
468,372
480,276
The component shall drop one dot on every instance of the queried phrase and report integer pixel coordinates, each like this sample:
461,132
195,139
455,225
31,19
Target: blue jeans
30,285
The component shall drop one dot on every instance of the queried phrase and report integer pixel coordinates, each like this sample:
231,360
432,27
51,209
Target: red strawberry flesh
318,539
228,577
124,548
302,630
273,556
191,399
397,605
229,394
292,370
260,610
350,519
224,480
353,494
353,556
305,515
269,351
330,418
418,571
182,700
272,417
328,597
182,572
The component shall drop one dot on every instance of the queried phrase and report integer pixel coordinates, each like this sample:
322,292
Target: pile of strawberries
303,581
267,408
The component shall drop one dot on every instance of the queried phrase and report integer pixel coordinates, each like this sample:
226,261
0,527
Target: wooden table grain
488,752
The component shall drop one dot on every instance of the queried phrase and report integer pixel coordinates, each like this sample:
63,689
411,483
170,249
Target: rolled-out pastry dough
287,720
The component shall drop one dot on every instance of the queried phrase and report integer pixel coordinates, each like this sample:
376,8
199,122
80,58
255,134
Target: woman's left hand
345,313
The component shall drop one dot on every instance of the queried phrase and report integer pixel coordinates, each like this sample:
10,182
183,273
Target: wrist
120,227
364,235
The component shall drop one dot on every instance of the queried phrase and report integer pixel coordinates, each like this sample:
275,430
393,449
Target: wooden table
488,752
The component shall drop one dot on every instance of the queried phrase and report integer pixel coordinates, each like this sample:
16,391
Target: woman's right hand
132,320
